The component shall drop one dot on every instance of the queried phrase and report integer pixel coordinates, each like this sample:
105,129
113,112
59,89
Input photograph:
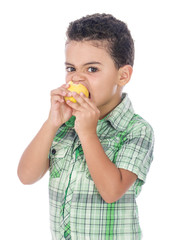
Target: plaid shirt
77,210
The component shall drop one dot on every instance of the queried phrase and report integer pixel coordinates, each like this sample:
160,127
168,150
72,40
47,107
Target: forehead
86,49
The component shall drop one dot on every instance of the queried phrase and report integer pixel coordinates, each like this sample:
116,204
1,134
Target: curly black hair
105,28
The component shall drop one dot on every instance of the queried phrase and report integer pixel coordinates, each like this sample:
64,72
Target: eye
92,69
70,69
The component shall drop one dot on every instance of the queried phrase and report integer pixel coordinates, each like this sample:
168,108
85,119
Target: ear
125,73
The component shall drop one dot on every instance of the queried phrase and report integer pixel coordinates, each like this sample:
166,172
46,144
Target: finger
64,87
78,98
74,106
89,101
60,91
57,98
83,100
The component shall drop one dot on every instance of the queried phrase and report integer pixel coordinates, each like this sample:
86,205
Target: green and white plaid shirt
77,210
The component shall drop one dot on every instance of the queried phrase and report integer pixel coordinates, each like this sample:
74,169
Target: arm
110,181
34,162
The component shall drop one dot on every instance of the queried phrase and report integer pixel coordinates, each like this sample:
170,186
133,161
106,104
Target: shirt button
53,151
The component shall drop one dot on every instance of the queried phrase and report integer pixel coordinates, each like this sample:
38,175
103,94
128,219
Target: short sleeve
136,151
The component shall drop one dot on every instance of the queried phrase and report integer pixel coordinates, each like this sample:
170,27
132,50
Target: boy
100,150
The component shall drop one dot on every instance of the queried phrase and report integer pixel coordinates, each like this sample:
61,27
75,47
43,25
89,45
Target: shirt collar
71,122
119,117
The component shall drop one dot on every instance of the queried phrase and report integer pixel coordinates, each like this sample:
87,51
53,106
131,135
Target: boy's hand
60,112
86,113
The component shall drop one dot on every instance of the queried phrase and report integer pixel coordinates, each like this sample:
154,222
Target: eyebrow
89,63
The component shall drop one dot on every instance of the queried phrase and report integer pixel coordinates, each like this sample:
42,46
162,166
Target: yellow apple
78,88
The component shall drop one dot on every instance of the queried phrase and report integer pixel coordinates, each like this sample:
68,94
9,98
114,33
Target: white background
32,36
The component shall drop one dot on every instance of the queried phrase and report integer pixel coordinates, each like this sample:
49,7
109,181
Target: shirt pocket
57,156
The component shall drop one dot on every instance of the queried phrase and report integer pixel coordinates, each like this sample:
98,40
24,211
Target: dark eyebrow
89,63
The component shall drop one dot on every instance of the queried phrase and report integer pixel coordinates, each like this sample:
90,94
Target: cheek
105,93
69,77
100,95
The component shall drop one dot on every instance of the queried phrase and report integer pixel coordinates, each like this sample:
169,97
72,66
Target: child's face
94,68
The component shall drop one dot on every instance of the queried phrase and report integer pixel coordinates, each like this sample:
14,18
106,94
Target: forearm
111,182
106,176
34,162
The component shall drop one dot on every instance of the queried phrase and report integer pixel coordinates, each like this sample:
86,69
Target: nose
77,77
